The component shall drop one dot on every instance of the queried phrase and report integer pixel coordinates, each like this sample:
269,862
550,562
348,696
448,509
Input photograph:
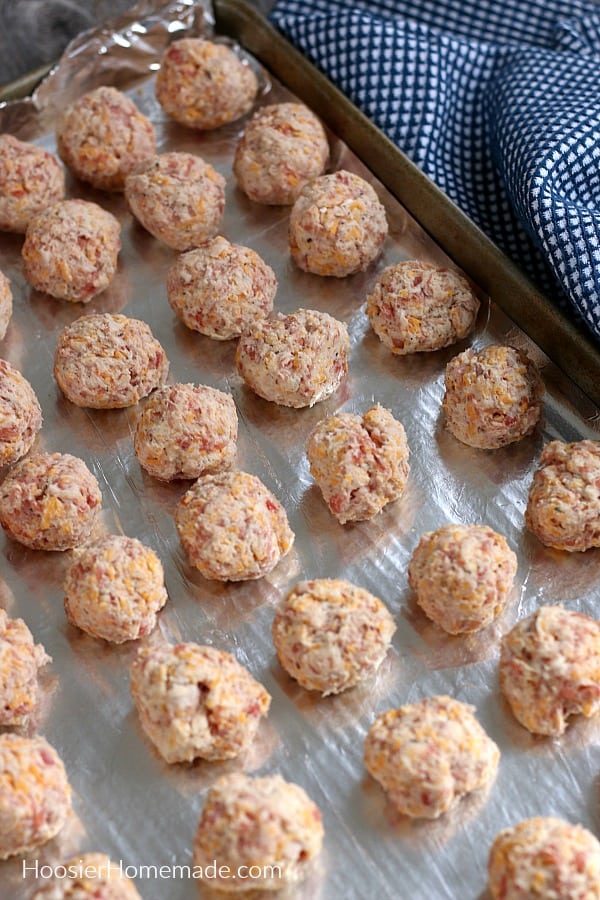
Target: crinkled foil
127,802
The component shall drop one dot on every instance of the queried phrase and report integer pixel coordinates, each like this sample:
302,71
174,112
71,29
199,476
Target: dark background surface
35,32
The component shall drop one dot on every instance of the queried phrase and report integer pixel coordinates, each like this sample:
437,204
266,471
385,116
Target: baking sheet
127,802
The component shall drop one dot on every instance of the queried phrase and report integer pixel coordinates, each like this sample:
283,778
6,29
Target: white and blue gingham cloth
499,103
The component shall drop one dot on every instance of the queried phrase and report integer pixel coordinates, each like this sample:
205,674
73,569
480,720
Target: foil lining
127,802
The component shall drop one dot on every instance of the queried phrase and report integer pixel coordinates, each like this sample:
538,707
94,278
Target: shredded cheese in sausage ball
30,180
20,661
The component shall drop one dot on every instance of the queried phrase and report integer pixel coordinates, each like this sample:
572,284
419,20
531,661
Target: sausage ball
231,527
462,576
545,858
30,180
330,635
493,396
550,669
360,463
92,876
265,824
196,701
103,137
178,198
49,501
71,249
6,304
204,85
114,589
416,307
221,289
294,360
20,415
563,506
107,361
283,147
20,661
337,225
35,795
185,431
429,754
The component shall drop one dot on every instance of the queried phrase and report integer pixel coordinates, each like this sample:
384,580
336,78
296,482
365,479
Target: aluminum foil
127,802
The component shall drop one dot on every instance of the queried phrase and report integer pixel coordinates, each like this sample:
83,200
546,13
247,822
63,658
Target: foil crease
127,802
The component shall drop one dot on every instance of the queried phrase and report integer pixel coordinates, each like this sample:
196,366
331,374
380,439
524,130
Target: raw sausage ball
221,289
283,147
493,396
429,754
103,137
6,304
550,669
70,250
196,701
545,858
95,877
416,307
330,634
49,501
185,431
35,795
114,589
231,527
30,180
204,85
563,506
258,823
20,415
462,576
360,463
337,225
178,198
107,361
20,660
294,360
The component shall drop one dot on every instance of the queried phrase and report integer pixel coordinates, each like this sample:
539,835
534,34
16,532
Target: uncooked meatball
107,361
49,501
103,137
337,225
196,701
92,876
462,576
185,431
221,289
71,249
283,147
360,463
493,397
30,180
550,669
563,506
20,415
6,304
35,795
254,825
429,754
295,360
178,198
231,527
114,589
546,859
416,307
20,661
331,635
204,85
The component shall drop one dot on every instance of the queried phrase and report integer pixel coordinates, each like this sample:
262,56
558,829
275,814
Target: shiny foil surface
127,802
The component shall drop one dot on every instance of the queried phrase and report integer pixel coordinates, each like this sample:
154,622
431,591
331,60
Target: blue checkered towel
498,102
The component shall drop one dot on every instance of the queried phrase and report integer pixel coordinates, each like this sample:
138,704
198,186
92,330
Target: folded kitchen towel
499,103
